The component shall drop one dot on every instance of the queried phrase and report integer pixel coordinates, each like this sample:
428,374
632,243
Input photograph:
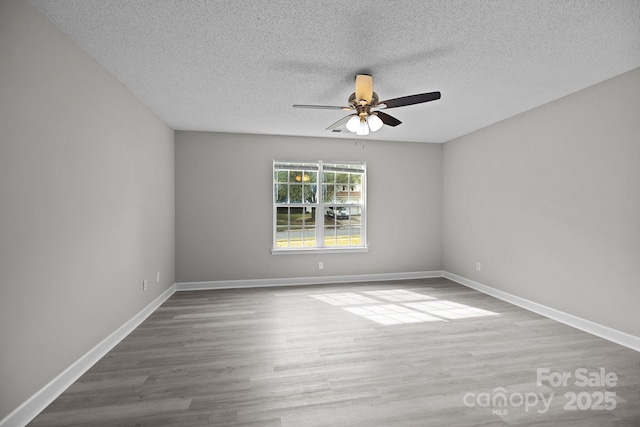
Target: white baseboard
293,281
30,408
610,334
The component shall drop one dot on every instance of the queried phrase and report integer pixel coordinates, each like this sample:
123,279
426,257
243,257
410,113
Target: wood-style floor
344,355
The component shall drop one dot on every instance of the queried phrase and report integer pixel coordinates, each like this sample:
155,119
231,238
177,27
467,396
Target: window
319,206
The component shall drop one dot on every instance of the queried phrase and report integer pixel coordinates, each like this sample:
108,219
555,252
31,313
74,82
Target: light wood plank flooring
433,354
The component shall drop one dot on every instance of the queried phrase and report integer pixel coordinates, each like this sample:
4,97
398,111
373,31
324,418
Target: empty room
328,213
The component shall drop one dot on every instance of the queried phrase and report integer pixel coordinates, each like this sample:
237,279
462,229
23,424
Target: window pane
342,187
282,216
299,176
345,236
282,237
355,215
302,230
341,237
329,219
328,191
301,217
355,236
338,213
355,178
329,236
282,176
295,193
281,193
312,178
342,193
309,216
310,193
329,177
330,223
355,188
309,236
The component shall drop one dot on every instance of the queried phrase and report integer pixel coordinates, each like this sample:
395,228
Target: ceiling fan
364,104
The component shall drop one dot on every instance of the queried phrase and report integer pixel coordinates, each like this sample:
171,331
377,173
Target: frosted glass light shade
363,128
375,123
353,124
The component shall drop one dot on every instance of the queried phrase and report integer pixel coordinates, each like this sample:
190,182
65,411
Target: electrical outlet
144,285
320,265
478,266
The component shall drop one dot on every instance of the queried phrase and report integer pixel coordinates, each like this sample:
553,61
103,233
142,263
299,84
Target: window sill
311,251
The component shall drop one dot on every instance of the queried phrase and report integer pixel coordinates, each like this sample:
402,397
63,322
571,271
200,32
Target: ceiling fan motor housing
361,106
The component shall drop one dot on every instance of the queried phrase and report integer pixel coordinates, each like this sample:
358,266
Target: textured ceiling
238,66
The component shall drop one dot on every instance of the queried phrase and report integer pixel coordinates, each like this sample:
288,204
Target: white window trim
320,206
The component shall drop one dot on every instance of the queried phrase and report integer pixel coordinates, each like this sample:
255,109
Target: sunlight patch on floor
396,295
450,310
410,307
346,298
391,314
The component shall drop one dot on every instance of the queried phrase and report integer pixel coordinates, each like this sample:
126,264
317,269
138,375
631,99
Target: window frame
320,205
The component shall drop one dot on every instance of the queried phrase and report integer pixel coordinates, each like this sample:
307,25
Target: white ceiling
238,66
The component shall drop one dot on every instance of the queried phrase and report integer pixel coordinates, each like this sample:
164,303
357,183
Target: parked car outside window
338,213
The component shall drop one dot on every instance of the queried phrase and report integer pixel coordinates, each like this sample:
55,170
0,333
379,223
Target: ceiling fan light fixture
374,122
363,128
363,101
353,124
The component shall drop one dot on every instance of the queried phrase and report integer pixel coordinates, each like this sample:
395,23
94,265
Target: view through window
319,205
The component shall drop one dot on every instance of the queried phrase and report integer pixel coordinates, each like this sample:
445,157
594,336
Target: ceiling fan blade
410,100
364,88
335,127
323,107
387,119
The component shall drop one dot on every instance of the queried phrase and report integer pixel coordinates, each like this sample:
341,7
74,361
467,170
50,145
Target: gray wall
549,203
86,203
224,208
